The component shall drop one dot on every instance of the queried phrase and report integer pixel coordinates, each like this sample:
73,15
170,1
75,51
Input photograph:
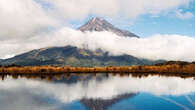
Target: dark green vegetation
73,56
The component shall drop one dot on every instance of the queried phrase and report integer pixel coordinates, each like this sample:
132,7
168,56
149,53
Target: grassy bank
166,68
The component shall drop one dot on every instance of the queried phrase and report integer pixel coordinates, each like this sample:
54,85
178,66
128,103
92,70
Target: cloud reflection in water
28,92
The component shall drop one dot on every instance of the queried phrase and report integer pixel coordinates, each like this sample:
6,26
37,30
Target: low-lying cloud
167,47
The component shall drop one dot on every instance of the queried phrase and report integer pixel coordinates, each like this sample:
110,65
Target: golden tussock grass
168,69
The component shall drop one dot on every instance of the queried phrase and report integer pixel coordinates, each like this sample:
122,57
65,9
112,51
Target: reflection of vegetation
67,76
182,69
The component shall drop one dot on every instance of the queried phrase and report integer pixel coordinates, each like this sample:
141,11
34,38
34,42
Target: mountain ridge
99,24
73,56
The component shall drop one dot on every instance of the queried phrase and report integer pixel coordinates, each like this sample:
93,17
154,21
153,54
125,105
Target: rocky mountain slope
99,24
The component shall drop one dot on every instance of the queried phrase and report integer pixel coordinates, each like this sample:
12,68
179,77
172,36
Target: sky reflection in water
112,93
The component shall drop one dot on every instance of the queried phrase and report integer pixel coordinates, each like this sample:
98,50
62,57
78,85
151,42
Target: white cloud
185,15
23,100
130,8
23,18
95,89
168,47
7,56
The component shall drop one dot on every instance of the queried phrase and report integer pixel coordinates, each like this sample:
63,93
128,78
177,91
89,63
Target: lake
96,92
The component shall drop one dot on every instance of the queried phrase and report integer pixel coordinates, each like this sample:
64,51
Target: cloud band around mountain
167,47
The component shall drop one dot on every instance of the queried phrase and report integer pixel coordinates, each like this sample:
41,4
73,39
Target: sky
177,21
166,27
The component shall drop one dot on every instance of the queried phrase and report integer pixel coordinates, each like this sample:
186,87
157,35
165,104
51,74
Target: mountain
74,56
1,61
99,24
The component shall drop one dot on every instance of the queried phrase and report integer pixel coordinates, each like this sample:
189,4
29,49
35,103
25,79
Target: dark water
103,92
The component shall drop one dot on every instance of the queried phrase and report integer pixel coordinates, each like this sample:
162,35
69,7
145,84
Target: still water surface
98,93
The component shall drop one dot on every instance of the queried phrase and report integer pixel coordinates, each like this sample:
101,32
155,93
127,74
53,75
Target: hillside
74,56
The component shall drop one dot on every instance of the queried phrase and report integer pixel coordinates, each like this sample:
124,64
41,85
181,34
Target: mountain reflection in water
96,92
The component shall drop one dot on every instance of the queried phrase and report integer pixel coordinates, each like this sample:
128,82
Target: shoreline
162,69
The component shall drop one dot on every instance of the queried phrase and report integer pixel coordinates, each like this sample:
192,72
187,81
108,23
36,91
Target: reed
177,68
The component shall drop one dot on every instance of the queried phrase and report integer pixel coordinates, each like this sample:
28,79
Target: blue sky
148,24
